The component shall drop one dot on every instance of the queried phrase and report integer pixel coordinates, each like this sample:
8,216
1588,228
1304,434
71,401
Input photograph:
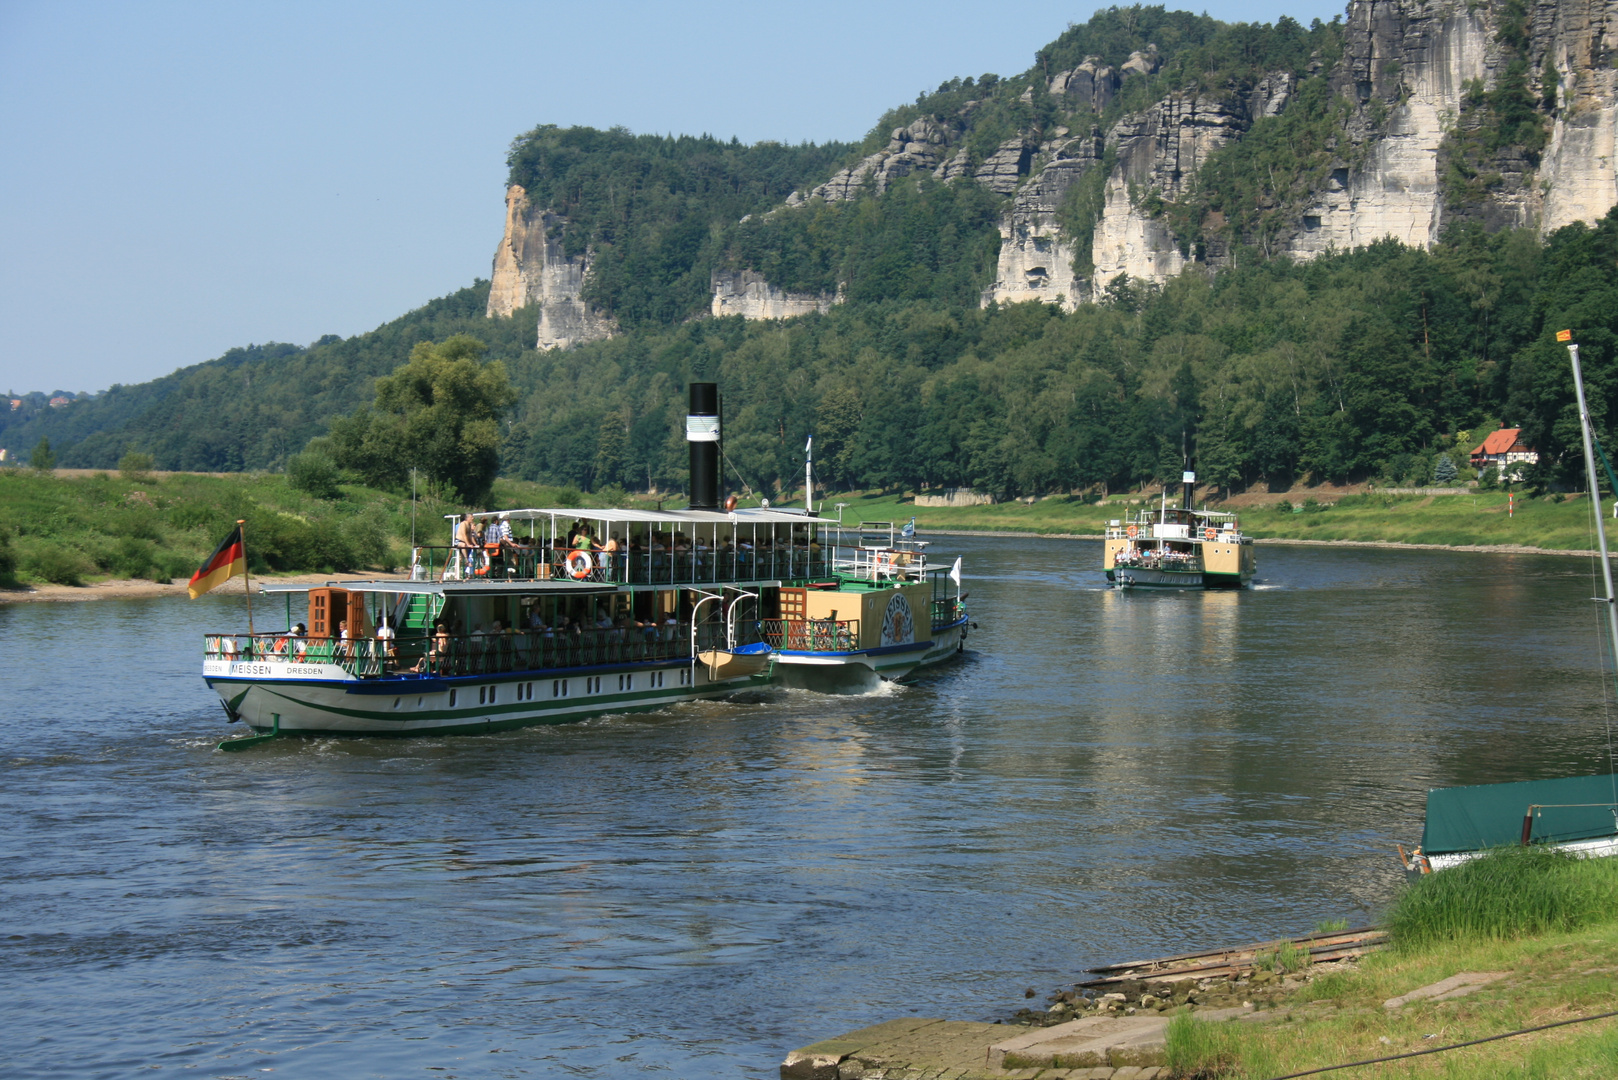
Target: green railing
811,635
946,611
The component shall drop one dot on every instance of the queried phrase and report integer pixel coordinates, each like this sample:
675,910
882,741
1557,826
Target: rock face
530,267
1036,261
1410,61
1159,151
917,148
1411,70
1580,171
746,293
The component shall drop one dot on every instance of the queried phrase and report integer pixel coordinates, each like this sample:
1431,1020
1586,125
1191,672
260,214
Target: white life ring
578,564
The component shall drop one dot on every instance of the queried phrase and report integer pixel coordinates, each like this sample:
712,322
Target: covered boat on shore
1574,814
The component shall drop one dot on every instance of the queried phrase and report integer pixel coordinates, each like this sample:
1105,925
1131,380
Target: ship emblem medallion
898,628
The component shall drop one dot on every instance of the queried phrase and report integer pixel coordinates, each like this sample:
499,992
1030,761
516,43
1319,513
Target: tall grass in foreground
1505,894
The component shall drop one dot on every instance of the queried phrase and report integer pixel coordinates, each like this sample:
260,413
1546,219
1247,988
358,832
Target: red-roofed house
1505,450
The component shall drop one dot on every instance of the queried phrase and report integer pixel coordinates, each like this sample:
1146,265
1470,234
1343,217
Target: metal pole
809,475
247,579
1595,499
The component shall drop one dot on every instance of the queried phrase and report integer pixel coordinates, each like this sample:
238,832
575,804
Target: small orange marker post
1511,504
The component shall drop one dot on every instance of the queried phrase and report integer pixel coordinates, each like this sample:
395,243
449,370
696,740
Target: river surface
694,892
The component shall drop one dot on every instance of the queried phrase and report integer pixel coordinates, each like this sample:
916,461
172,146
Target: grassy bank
1548,922
70,529
86,527
1480,518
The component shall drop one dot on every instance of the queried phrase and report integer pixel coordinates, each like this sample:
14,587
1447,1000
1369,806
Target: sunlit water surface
696,891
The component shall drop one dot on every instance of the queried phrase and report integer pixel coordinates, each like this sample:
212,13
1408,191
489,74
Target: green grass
1548,921
1509,893
1480,518
74,529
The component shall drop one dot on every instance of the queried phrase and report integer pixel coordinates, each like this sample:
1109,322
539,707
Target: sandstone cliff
746,293
530,267
1412,89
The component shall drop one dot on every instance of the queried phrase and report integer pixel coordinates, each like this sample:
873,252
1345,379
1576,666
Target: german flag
227,560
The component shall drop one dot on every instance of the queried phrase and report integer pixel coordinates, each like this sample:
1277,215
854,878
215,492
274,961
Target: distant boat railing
519,562
472,654
811,635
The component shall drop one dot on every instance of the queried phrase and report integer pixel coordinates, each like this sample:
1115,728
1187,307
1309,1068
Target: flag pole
247,579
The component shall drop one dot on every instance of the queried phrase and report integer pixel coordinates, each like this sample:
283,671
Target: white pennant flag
955,572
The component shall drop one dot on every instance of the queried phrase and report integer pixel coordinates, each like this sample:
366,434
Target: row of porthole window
489,695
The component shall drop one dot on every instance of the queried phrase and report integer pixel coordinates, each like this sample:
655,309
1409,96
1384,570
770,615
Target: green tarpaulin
1491,815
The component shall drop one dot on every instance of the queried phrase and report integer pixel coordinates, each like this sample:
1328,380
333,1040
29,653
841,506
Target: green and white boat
660,607
1176,547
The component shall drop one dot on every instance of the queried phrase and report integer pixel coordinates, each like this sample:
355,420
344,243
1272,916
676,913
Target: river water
694,892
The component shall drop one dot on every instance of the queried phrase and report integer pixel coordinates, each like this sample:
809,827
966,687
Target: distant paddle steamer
664,606
1176,547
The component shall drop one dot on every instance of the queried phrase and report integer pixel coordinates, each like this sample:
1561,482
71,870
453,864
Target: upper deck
605,549
1177,523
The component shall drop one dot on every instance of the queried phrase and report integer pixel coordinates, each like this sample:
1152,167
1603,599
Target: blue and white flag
909,531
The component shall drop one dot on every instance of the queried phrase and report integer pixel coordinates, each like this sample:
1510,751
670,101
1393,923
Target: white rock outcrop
531,267
1158,151
1036,260
746,293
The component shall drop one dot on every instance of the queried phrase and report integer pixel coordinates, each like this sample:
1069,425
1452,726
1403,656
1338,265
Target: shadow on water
697,890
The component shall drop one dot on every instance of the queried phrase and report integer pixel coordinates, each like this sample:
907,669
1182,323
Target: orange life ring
580,569
1132,531
1210,533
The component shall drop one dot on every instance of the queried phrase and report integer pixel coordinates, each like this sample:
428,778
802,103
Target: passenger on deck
461,564
386,642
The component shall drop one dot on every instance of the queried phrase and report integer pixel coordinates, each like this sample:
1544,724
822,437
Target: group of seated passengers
505,644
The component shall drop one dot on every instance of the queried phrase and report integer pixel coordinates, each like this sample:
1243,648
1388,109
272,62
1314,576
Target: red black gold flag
227,560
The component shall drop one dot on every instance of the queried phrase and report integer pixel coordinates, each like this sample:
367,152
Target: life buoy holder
1210,533
579,564
1132,531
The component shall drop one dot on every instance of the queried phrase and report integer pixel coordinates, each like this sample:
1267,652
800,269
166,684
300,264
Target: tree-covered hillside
653,210
1369,363
255,406
1376,362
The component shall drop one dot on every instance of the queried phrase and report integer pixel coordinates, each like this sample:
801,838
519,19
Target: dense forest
1370,363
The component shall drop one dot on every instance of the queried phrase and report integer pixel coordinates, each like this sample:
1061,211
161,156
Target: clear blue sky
179,178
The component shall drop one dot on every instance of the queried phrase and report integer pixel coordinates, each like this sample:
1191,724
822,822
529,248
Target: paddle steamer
658,607
1176,547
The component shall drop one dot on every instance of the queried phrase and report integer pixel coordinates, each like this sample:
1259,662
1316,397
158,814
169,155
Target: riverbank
1502,953
135,589
1474,521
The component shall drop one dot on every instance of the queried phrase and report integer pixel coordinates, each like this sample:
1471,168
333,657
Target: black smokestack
702,434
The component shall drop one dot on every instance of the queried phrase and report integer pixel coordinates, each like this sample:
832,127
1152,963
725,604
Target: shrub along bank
69,530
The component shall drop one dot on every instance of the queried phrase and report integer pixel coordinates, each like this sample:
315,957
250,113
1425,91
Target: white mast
1595,497
809,476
